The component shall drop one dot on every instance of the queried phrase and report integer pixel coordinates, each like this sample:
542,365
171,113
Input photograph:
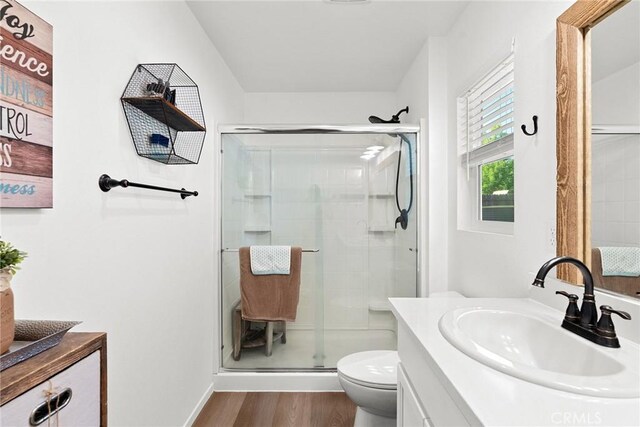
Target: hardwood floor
277,410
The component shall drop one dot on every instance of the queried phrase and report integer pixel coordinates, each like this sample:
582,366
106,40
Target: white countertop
496,398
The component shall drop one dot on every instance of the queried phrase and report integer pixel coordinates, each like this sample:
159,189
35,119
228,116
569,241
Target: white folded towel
620,261
270,260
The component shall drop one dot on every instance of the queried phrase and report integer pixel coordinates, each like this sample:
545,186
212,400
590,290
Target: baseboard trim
196,411
277,381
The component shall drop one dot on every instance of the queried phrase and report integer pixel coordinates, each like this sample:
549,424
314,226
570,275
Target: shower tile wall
235,182
295,208
405,259
247,218
615,190
615,187
330,200
319,202
382,254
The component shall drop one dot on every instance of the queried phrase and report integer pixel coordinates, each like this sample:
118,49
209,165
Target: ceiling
318,46
615,42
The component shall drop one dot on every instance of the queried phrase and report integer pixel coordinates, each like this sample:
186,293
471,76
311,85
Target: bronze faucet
583,321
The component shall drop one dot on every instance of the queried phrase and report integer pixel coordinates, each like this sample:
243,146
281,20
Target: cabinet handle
46,409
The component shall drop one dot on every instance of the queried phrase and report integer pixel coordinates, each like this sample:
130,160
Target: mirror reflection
615,152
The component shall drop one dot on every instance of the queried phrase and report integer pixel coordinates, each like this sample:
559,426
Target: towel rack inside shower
304,250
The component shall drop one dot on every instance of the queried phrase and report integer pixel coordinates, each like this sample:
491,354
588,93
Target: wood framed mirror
574,127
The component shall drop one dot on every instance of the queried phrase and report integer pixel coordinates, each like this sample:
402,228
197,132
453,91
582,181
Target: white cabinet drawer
410,412
83,409
439,407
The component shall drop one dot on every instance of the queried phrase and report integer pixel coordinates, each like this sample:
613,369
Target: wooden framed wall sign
26,108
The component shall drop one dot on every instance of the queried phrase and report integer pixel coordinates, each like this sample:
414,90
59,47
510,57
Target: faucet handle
608,310
573,312
605,324
572,297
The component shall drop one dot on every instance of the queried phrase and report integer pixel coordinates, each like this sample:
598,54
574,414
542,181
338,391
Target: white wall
484,264
424,88
614,98
137,264
318,107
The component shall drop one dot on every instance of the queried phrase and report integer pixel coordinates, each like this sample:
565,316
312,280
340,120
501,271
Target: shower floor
299,351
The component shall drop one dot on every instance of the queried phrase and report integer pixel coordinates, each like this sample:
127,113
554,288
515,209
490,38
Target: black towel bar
106,183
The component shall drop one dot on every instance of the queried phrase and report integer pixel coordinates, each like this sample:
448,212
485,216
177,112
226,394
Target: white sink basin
534,347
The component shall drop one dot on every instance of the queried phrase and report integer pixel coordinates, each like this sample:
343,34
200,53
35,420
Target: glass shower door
323,193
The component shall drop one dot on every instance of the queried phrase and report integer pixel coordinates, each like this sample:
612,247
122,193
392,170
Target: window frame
470,160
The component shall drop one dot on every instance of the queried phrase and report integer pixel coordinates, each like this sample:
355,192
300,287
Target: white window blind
485,117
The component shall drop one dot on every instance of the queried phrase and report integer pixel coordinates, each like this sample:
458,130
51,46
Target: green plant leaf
10,257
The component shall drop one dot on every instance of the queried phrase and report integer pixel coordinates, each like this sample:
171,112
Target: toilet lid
371,368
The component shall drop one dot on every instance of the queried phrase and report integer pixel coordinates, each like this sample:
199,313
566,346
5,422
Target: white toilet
370,380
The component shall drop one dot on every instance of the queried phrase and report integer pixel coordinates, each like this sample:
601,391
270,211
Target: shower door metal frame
298,129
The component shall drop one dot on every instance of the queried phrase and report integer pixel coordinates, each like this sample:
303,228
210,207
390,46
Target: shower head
403,219
394,119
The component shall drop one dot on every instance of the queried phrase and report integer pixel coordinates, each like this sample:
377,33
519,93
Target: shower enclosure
332,191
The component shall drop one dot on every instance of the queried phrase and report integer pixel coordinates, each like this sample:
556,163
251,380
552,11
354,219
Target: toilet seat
389,387
372,369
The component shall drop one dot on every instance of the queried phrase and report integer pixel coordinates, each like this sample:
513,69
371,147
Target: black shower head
403,219
394,119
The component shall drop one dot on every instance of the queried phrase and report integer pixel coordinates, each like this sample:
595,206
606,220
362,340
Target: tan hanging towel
270,297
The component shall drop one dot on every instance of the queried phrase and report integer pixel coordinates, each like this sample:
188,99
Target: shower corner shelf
257,195
379,305
381,229
164,113
257,229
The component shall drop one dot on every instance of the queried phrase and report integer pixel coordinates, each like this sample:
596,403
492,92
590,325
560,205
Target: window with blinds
485,142
485,116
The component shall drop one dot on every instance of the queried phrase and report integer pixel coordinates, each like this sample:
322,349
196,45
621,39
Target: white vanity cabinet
439,385
422,399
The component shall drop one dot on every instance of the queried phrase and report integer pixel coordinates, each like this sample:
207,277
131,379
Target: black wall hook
535,127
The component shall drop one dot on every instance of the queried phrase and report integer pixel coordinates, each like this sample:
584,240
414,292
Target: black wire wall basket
164,112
